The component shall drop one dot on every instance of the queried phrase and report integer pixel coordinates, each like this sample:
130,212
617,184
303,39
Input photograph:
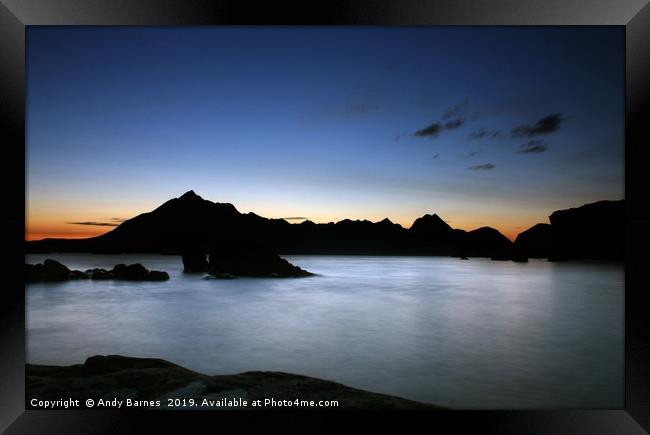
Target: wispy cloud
456,111
546,125
532,147
453,118
93,223
294,218
483,167
431,131
471,154
454,123
483,132
112,222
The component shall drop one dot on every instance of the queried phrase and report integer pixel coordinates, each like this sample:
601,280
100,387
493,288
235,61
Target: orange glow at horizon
44,230
65,231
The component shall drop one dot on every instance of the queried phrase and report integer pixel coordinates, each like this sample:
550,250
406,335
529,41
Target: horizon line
511,235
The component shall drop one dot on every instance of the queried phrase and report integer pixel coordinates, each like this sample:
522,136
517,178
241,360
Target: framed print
282,215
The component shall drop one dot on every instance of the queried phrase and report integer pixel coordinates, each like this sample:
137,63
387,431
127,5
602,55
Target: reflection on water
465,334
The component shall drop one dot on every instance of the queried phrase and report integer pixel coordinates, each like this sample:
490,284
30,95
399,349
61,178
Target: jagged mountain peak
429,221
190,195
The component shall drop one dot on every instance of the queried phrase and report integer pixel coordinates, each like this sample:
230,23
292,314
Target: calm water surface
465,334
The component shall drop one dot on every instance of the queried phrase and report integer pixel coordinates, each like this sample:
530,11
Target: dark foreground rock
143,380
53,271
235,259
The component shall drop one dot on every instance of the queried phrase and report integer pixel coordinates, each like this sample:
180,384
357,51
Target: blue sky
323,122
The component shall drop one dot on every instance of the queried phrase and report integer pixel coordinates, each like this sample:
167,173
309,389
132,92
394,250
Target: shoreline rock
230,259
194,262
53,271
150,379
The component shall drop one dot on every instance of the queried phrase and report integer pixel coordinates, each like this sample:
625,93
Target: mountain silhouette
487,242
193,224
535,242
593,231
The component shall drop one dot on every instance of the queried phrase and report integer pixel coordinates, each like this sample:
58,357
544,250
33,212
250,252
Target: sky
485,126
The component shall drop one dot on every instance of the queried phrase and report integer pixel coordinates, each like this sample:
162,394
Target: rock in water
99,274
157,275
33,272
133,272
55,271
49,271
194,262
230,258
77,274
136,272
52,270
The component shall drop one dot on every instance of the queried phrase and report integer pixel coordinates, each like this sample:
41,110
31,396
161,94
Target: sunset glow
485,127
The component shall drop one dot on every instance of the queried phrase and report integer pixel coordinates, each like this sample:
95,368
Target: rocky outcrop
157,275
227,259
593,231
53,271
132,272
48,271
146,380
194,262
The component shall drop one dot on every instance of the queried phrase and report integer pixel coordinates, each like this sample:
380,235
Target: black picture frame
15,15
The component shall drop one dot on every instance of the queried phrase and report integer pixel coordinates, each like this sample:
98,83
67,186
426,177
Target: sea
465,334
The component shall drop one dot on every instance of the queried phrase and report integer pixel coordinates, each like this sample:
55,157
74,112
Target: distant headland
193,224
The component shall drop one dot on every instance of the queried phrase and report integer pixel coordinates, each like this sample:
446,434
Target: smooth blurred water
475,334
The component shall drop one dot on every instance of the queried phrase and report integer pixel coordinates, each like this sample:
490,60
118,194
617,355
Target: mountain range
191,223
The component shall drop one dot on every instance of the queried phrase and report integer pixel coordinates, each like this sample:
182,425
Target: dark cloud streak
92,223
483,132
454,124
431,131
483,167
532,147
453,118
456,111
546,125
